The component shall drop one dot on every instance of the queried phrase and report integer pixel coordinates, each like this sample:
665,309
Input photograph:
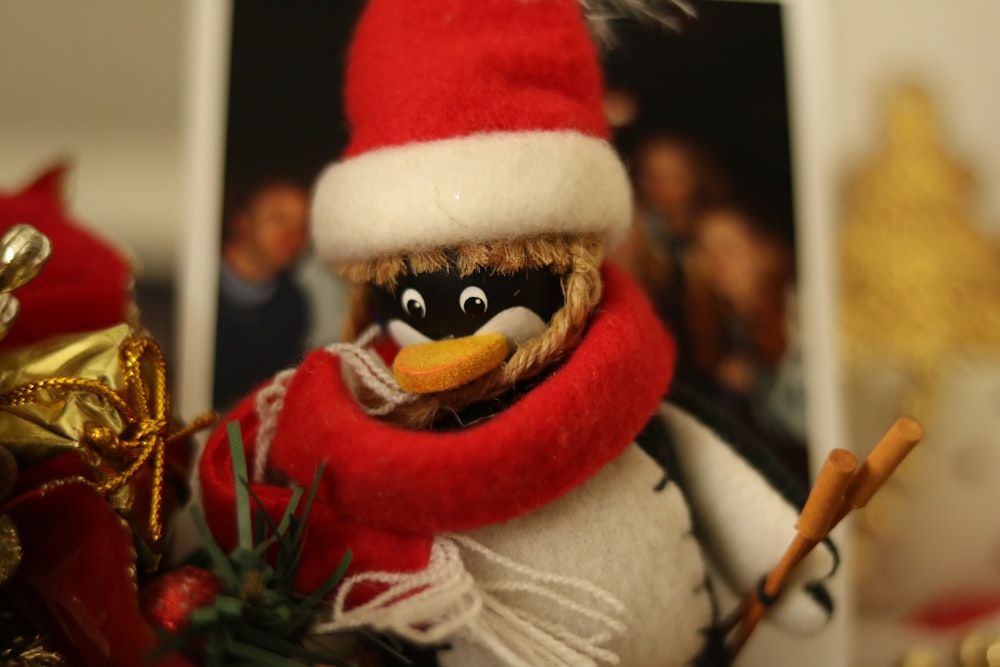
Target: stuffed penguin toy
501,448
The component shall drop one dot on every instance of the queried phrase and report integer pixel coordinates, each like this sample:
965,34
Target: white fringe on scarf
444,602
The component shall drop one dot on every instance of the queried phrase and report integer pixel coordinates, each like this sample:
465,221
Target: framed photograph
276,120
736,111
738,100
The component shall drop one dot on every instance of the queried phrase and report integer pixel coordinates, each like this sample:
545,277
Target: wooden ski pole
860,486
879,465
821,508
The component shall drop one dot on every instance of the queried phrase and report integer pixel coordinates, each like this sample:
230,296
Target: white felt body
617,532
744,523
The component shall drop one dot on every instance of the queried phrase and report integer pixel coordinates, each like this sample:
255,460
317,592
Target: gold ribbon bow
143,406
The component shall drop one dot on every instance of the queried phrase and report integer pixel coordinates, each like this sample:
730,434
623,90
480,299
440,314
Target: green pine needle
243,514
221,563
293,504
257,618
297,536
330,582
270,532
261,656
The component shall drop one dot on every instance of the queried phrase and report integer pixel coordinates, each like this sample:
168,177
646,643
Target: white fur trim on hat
484,187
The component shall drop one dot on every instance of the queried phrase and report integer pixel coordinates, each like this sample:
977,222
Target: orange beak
425,368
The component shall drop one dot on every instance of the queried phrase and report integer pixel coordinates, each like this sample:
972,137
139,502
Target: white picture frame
206,86
811,85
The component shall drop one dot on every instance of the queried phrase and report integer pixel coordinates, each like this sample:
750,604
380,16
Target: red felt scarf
386,491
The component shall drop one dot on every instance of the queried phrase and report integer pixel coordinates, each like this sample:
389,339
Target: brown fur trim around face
504,257
577,258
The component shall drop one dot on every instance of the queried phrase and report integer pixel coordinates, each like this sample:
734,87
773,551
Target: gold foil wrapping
30,652
10,548
57,421
103,394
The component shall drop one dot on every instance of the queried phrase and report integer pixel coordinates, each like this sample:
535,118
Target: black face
443,305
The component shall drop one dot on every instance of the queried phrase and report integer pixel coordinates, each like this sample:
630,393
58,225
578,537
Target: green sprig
257,618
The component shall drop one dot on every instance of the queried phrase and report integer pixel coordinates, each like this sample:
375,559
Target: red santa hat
472,120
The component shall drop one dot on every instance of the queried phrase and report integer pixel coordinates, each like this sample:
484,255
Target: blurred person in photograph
263,316
674,180
742,324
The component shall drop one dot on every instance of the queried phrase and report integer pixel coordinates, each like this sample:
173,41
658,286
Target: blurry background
101,83
949,48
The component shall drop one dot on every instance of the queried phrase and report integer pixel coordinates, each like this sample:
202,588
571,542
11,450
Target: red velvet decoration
386,490
85,286
470,67
167,602
77,570
950,613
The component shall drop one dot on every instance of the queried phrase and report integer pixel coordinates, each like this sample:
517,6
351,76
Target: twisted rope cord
270,401
143,406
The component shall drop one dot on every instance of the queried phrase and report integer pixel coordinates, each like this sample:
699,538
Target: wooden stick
861,486
879,465
821,508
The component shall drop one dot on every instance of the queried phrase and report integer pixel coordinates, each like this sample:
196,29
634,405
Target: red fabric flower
77,576
85,286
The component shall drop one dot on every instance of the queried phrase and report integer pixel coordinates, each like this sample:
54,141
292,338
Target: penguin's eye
473,301
413,303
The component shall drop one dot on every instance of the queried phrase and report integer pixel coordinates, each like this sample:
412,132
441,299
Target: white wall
99,82
948,46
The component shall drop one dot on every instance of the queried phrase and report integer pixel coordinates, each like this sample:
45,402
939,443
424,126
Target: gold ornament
979,648
56,420
972,650
920,282
993,653
10,548
922,656
920,290
24,251
105,395
30,653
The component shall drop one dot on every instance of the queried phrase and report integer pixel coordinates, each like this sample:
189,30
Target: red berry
167,601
